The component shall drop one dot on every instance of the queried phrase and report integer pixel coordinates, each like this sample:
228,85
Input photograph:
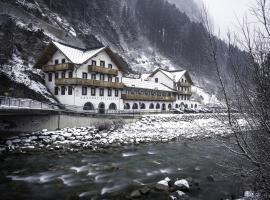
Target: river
114,175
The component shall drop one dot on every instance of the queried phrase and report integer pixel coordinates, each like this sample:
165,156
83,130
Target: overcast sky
225,13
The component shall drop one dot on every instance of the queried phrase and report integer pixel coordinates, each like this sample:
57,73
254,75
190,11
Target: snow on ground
149,129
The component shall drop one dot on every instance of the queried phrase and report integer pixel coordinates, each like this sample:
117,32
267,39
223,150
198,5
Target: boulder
145,190
162,185
182,185
135,194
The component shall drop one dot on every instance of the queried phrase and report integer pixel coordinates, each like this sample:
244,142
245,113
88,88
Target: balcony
58,67
87,82
138,97
185,93
182,84
102,70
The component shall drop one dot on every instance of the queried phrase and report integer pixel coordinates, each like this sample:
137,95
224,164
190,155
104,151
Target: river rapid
114,174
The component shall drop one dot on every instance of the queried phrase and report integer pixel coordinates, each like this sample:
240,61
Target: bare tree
250,91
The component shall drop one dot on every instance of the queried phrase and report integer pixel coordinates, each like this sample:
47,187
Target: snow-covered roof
139,83
178,74
75,55
144,76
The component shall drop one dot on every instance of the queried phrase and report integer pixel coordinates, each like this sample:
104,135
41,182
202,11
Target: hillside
145,33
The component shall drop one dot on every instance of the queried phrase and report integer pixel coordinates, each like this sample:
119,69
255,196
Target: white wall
162,78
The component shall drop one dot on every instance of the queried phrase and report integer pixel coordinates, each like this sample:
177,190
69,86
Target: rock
135,194
210,178
179,195
60,138
182,185
9,143
16,141
162,185
145,190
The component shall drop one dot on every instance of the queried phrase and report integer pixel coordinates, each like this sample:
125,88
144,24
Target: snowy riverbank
149,129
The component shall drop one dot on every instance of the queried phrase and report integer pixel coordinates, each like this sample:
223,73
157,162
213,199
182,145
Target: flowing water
115,174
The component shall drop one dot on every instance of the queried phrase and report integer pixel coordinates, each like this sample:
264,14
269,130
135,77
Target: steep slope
146,33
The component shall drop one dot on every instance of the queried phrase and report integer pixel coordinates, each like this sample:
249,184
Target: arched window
88,106
170,106
151,106
176,106
127,106
158,106
196,106
112,106
135,106
142,106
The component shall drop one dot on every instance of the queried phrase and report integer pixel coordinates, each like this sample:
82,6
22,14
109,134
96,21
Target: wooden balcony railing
103,70
87,82
182,84
138,97
58,67
185,93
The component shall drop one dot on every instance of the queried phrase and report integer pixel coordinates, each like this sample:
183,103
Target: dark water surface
114,175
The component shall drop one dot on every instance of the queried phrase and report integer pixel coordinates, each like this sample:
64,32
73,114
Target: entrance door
101,108
163,107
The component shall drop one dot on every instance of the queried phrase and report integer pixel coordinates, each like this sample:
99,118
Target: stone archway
88,106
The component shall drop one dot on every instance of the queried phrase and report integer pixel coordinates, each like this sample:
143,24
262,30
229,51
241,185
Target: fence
16,103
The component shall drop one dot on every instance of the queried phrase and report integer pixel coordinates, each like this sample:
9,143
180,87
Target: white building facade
93,80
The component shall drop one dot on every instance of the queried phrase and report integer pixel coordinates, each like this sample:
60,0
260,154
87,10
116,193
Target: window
157,106
110,66
56,90
93,91
116,93
102,63
56,75
101,92
156,80
94,63
127,106
102,77
196,106
84,75
56,61
117,79
135,106
63,75
170,106
142,106
63,90
109,78
70,74
63,60
50,77
70,90
93,77
84,91
151,106
109,92
176,106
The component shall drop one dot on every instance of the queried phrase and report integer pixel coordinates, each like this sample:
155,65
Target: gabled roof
73,54
175,75
138,83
